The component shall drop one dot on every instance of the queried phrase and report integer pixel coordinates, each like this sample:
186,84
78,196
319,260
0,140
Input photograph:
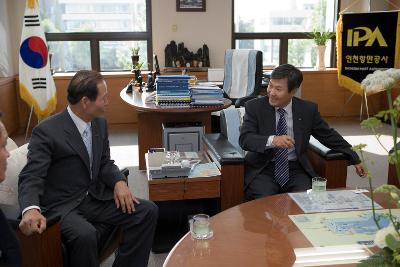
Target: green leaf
396,102
372,123
392,158
384,258
358,147
373,260
392,243
387,188
320,38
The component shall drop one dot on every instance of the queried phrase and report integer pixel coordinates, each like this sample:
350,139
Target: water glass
318,189
200,226
318,184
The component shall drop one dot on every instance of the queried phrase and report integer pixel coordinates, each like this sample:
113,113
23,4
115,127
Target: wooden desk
256,233
150,118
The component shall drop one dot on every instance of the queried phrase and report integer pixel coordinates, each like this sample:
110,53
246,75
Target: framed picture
191,5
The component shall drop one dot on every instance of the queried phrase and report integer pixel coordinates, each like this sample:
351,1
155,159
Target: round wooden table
151,116
256,233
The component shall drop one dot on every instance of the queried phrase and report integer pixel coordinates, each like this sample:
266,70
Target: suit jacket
260,122
57,174
9,245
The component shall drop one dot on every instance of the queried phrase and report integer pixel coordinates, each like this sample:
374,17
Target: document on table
341,228
341,200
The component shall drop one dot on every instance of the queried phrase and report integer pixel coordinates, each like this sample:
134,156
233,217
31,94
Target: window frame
283,37
96,37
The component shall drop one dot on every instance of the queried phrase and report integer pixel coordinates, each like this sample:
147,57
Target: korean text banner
366,42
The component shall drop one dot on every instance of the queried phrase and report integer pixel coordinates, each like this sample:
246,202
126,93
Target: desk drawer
166,191
202,189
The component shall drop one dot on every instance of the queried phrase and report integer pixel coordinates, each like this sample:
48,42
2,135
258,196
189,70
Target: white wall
212,27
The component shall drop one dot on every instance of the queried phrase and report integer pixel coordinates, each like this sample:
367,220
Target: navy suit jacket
260,122
57,174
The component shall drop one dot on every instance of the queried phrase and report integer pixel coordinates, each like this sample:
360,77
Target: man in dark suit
276,131
69,170
9,245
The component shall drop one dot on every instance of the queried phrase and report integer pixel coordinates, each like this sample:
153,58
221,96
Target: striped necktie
87,140
281,172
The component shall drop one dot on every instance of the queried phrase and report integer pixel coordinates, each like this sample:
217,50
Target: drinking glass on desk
318,188
318,184
200,226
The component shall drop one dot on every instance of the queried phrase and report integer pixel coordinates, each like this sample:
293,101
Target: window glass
70,56
283,15
93,16
96,34
269,47
116,55
303,53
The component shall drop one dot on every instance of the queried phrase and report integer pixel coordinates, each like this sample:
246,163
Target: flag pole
29,123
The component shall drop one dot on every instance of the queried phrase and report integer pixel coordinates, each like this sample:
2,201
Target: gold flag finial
31,3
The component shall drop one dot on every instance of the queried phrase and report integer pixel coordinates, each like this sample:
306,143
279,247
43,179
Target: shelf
190,69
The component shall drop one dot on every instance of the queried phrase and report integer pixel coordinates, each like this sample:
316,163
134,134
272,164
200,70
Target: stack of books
173,90
206,94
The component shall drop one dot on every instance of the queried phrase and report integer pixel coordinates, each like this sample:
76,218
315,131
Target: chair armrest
324,152
328,163
231,164
13,216
223,151
125,172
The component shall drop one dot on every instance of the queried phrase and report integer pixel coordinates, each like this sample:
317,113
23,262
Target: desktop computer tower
182,136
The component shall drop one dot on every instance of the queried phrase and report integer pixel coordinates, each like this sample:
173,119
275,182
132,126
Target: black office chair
47,249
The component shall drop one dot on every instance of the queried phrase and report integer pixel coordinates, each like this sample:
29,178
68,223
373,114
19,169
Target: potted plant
135,56
386,238
320,39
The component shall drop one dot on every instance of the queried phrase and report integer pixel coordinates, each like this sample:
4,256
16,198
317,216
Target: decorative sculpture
180,56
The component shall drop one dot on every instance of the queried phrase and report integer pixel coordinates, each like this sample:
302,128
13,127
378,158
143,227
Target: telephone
159,166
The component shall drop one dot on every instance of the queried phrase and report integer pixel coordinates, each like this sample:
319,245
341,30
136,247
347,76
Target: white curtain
6,66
